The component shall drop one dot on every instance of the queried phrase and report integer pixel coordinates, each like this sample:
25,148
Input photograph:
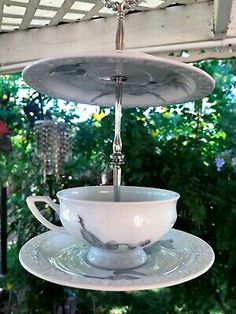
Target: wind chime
52,147
52,138
116,237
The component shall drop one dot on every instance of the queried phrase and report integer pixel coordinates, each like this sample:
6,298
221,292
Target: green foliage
188,148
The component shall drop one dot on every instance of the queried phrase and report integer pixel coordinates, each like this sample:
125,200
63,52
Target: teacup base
116,260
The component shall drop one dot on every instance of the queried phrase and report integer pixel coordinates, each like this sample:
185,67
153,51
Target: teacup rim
175,197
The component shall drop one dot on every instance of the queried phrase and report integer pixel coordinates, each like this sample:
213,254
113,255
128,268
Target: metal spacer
117,159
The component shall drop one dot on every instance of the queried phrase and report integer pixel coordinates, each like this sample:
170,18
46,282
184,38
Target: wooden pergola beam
158,32
1,11
222,11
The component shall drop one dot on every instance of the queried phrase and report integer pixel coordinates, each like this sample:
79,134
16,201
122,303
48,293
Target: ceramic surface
176,258
89,79
90,215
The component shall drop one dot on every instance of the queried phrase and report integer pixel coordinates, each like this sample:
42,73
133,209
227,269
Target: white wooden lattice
25,14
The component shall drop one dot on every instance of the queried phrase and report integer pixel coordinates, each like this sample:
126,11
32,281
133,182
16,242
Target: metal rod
120,29
117,157
121,8
117,143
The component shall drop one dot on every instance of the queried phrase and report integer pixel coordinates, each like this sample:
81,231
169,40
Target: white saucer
87,79
177,258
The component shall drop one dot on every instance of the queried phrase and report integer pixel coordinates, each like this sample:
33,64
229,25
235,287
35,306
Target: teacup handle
31,200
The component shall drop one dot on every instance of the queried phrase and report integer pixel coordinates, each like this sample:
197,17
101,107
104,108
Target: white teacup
116,231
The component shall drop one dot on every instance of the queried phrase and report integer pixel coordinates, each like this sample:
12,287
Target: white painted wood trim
217,49
222,10
61,12
228,43
145,29
93,11
1,11
29,14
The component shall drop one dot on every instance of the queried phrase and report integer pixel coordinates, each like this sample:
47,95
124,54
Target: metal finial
125,5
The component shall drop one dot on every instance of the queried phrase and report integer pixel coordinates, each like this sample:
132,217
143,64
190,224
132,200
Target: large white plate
177,258
87,79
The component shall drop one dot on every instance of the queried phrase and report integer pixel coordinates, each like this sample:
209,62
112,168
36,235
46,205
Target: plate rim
116,286
36,66
123,54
